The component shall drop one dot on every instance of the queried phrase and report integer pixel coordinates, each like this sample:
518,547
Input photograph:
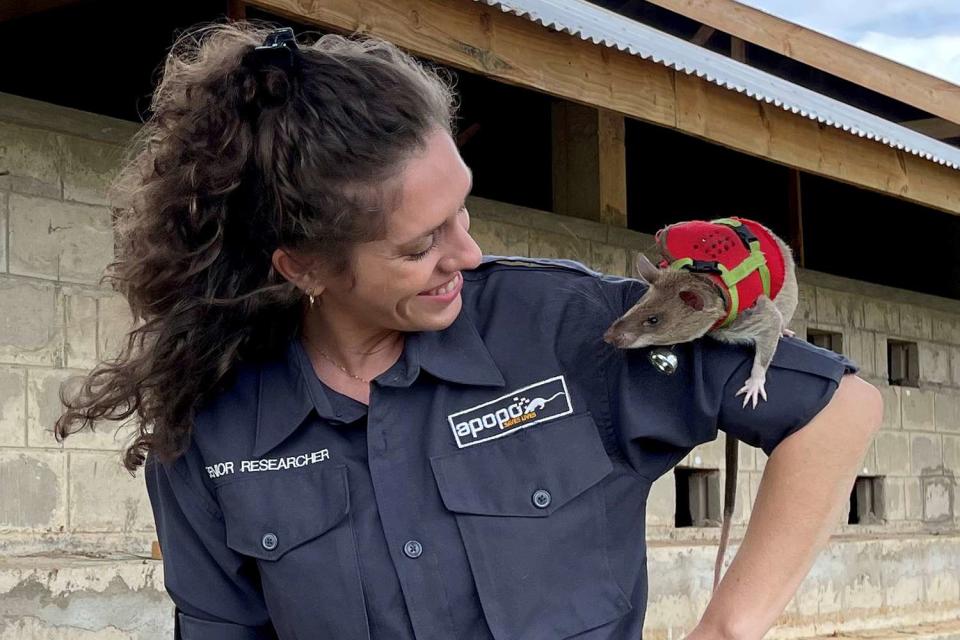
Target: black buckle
278,48
703,266
746,236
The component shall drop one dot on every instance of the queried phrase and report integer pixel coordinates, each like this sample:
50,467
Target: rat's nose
618,338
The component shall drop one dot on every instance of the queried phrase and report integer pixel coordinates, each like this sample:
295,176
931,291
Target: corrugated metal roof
600,26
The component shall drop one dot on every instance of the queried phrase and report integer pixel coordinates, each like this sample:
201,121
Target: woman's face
410,281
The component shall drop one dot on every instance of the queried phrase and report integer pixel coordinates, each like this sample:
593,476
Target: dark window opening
866,501
827,339
697,497
903,363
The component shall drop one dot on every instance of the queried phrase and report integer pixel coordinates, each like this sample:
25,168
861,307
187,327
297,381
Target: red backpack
736,253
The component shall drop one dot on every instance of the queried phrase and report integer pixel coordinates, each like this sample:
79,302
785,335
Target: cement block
839,308
938,496
894,502
881,316
864,591
893,452
114,322
62,597
80,327
946,410
891,406
609,259
934,362
926,453
881,356
917,409
746,457
860,346
913,495
632,241
662,501
806,310
951,454
57,240
915,322
93,475
710,455
499,238
942,587
30,323
88,168
744,506
946,327
31,156
545,244
536,219
32,490
868,464
13,407
44,408
955,365
4,214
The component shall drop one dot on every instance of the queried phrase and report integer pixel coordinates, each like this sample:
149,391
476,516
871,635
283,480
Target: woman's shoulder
549,281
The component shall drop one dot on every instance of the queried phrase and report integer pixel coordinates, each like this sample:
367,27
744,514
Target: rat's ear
644,269
692,299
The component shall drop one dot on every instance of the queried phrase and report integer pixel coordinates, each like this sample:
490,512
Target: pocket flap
269,514
530,473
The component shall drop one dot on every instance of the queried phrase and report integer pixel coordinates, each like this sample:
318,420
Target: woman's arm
805,486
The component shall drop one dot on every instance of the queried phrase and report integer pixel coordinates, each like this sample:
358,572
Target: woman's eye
423,254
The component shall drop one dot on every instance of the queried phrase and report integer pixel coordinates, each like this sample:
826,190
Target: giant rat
680,306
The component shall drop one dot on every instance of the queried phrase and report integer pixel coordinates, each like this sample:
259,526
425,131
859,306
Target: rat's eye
651,320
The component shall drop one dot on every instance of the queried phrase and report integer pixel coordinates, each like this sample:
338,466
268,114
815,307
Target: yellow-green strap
734,298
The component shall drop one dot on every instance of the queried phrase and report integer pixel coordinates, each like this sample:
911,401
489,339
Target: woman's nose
464,253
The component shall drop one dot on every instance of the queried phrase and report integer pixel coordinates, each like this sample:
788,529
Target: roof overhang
587,67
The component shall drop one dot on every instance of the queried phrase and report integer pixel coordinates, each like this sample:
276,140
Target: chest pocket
297,525
531,510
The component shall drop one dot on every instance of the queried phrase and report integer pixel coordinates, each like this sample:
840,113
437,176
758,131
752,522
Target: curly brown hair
241,156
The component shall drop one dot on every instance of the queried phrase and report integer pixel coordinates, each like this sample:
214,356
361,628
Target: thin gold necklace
334,362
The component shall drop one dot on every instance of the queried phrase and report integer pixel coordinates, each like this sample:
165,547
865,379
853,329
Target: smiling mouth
445,288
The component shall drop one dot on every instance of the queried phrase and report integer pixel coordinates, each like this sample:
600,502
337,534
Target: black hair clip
278,48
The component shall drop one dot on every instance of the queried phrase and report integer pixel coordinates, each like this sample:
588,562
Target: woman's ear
298,269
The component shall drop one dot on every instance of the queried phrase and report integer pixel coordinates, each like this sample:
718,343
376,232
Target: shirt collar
288,387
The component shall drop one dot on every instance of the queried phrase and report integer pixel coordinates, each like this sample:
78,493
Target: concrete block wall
58,321
75,529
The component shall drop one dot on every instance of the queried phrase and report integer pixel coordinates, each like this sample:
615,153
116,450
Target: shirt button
541,498
412,549
269,541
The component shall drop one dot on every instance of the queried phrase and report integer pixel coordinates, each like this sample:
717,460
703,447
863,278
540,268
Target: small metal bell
663,359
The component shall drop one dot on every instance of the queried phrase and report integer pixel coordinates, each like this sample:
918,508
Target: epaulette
537,263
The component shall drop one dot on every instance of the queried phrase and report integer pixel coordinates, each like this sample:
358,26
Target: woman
358,426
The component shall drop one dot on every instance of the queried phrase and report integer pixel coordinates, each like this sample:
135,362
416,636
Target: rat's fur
686,305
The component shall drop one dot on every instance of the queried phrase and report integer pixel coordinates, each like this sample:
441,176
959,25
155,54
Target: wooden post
589,163
795,203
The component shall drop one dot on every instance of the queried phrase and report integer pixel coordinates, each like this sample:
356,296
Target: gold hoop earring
310,295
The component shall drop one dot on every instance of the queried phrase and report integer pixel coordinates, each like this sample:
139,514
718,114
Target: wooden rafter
472,36
827,54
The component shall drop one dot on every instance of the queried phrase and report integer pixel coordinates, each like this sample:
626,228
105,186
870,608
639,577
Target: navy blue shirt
495,486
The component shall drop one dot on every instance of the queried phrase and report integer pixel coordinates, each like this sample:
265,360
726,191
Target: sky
923,34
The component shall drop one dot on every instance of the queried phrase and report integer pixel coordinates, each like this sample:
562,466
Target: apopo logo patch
533,404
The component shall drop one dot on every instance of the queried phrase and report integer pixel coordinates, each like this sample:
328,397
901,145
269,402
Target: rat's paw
753,387
788,332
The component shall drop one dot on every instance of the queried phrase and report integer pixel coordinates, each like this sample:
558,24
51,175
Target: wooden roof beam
484,40
935,128
918,89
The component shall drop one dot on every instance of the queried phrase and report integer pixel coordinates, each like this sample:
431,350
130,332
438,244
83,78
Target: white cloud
924,34
936,55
